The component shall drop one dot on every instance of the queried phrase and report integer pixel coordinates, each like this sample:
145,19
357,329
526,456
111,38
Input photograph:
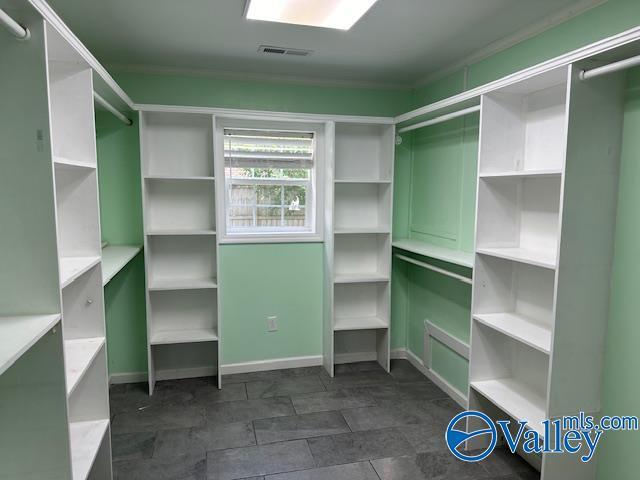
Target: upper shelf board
456,257
114,259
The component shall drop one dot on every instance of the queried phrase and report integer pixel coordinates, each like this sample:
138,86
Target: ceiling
398,42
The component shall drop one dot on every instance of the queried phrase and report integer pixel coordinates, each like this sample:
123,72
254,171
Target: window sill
276,238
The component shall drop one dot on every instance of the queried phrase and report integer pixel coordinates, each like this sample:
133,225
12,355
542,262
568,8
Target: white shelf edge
79,356
515,254
179,178
178,232
361,230
180,284
73,267
65,162
456,257
359,323
362,180
118,256
523,174
535,337
195,335
21,332
360,278
86,438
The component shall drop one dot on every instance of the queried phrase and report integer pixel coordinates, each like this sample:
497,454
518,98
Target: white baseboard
449,389
398,354
274,364
173,374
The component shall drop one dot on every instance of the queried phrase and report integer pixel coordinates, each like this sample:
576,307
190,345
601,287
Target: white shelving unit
79,251
115,258
180,245
358,253
547,190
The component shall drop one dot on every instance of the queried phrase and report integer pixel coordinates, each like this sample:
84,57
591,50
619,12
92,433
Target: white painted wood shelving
180,245
547,190
358,244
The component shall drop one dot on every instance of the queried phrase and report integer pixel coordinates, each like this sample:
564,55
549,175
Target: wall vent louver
296,52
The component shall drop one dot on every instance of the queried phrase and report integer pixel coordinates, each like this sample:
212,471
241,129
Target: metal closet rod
610,68
17,30
442,118
460,278
119,115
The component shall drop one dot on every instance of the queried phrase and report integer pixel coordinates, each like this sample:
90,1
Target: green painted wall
257,281
121,222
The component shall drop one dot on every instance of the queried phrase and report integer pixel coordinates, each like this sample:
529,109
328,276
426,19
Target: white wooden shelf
61,162
114,259
164,337
360,230
182,284
177,177
178,232
359,323
361,180
538,258
519,328
86,438
360,278
448,255
523,174
515,399
72,267
19,333
79,355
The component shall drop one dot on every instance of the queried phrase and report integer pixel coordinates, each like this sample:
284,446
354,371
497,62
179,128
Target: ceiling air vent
296,52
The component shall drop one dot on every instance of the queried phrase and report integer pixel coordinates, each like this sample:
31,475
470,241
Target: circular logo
456,437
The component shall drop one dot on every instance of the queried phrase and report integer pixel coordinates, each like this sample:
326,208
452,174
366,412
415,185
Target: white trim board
247,114
595,48
273,364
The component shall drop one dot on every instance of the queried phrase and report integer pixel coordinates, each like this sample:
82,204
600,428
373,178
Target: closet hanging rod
443,118
610,68
120,116
17,30
460,278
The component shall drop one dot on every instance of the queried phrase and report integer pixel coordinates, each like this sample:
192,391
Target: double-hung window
270,178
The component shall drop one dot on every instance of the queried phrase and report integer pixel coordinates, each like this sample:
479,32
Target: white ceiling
397,42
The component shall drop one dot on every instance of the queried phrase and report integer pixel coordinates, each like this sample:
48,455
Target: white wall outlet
272,323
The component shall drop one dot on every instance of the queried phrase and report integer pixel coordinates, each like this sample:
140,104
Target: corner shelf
61,162
79,355
19,333
361,278
359,323
165,337
182,284
536,258
115,258
73,267
86,438
448,255
520,328
552,172
515,399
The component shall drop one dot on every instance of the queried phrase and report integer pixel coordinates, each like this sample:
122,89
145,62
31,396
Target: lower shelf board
86,438
359,323
72,267
536,258
514,398
167,337
79,354
182,284
519,328
360,278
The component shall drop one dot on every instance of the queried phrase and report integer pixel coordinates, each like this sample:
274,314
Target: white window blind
269,179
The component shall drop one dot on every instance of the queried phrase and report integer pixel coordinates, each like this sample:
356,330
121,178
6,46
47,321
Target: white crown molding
262,77
509,41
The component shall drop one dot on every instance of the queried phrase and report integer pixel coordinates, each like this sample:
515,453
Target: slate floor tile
403,371
279,429
284,387
350,471
187,467
418,391
426,437
358,446
502,462
131,398
271,375
259,460
427,466
332,400
203,439
247,410
202,390
372,418
355,379
130,446
158,418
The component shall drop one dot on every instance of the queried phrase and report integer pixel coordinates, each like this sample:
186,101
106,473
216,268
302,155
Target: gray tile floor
296,424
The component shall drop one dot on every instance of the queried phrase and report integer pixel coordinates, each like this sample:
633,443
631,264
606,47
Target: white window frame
316,234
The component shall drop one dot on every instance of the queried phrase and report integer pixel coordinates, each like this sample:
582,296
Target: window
270,178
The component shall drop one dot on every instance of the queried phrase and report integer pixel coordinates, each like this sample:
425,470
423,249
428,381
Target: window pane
242,195
269,217
294,196
295,218
240,217
297,173
269,194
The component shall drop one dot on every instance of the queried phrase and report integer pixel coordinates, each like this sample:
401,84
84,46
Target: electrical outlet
272,323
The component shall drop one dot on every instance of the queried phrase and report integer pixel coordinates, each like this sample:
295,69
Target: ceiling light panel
337,14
